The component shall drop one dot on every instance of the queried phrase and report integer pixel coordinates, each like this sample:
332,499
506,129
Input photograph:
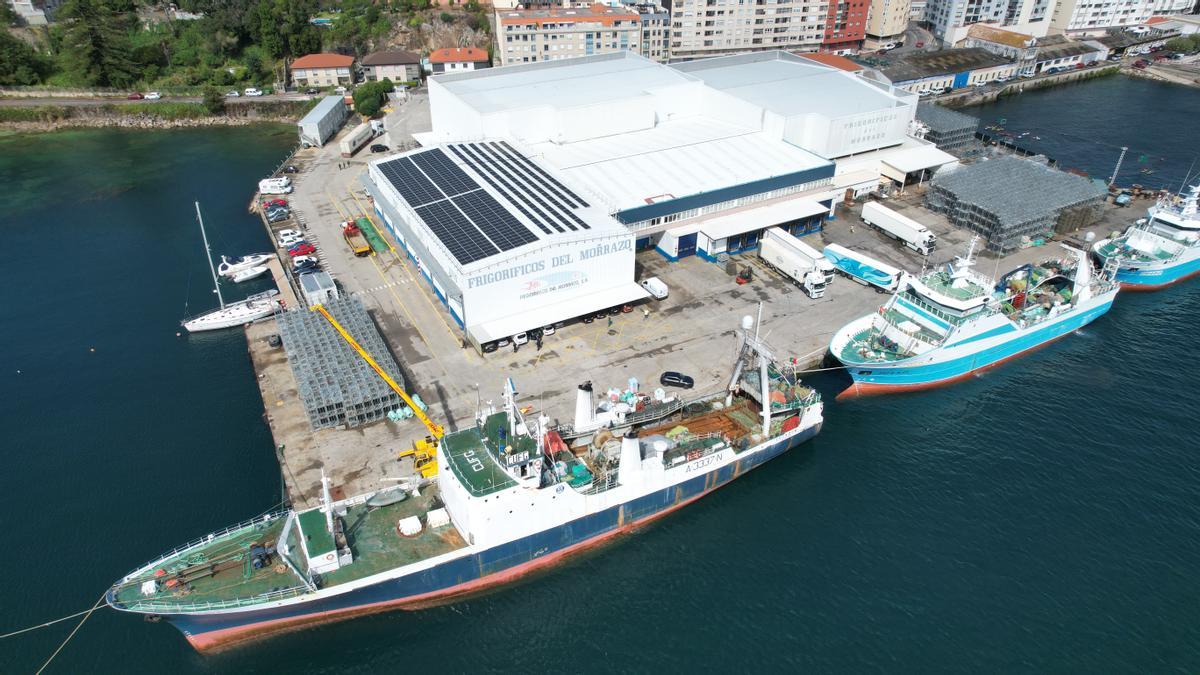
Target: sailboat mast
208,254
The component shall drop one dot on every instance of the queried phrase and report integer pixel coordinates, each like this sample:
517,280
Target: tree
214,102
95,43
20,64
1180,45
368,98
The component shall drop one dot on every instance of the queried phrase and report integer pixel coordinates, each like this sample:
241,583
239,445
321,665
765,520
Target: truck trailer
902,228
356,139
788,255
863,269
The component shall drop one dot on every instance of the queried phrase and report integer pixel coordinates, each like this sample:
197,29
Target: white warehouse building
694,159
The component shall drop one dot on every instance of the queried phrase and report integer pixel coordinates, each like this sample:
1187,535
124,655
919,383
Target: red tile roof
1157,19
323,61
833,60
458,55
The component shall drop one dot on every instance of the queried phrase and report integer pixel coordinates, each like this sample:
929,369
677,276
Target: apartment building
1094,16
656,32
950,20
552,33
702,28
323,70
886,22
846,26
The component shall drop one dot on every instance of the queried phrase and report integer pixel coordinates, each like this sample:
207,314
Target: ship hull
1156,277
475,572
944,367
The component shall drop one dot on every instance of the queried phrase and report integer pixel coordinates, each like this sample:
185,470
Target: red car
275,202
303,248
135,96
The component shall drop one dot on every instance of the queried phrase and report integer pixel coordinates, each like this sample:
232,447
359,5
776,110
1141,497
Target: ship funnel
630,469
585,407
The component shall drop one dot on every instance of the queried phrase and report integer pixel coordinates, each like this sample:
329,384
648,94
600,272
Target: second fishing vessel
943,326
510,497
1161,250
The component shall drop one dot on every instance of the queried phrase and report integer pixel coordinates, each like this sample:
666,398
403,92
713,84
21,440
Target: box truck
913,234
784,253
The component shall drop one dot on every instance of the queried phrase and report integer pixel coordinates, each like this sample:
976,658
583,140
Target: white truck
863,269
275,186
358,137
791,257
913,234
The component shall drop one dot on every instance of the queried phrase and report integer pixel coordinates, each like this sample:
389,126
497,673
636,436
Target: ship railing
169,607
212,536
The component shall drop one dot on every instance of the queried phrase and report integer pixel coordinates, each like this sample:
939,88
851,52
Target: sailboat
239,313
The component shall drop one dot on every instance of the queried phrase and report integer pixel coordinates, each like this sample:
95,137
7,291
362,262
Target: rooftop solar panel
490,169
553,181
494,221
412,185
445,173
456,232
506,190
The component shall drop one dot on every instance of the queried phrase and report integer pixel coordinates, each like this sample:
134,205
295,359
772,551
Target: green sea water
1042,517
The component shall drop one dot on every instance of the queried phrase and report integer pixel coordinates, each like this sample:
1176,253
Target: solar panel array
460,213
545,201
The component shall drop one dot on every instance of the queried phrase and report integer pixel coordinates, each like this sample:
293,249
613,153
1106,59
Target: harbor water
1044,516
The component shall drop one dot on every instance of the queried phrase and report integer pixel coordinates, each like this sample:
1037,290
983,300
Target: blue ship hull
1160,277
880,378
474,572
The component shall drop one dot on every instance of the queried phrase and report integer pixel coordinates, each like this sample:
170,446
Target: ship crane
423,452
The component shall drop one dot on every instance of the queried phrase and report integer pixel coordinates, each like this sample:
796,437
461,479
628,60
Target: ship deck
474,464
1115,248
219,573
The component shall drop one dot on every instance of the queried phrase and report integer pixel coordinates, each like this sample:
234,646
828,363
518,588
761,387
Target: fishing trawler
943,326
253,308
511,496
1158,251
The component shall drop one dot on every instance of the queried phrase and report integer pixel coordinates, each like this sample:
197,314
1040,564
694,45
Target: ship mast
208,255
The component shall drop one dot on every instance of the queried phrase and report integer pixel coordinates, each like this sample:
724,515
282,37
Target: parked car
655,287
251,91
275,202
152,96
548,330
312,91
302,258
379,147
232,93
286,240
340,91
521,338
135,96
307,265
291,168
303,248
278,216
588,319
488,347
674,379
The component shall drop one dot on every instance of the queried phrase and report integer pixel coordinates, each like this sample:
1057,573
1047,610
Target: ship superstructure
511,496
1160,250
944,325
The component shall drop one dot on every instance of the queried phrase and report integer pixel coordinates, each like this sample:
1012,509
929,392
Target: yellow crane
423,452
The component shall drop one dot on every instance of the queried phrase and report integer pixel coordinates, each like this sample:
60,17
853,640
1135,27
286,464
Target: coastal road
21,101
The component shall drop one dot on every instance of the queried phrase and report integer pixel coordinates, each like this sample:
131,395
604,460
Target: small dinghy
387,497
248,274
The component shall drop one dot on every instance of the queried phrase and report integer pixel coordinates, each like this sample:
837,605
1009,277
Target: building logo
549,283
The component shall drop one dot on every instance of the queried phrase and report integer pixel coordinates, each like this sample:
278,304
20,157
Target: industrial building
323,121
923,72
947,129
624,153
1011,201
336,386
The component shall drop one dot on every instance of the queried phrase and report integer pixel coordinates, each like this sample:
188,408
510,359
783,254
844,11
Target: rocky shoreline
135,122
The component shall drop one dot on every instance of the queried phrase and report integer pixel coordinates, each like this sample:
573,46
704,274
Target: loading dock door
687,245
